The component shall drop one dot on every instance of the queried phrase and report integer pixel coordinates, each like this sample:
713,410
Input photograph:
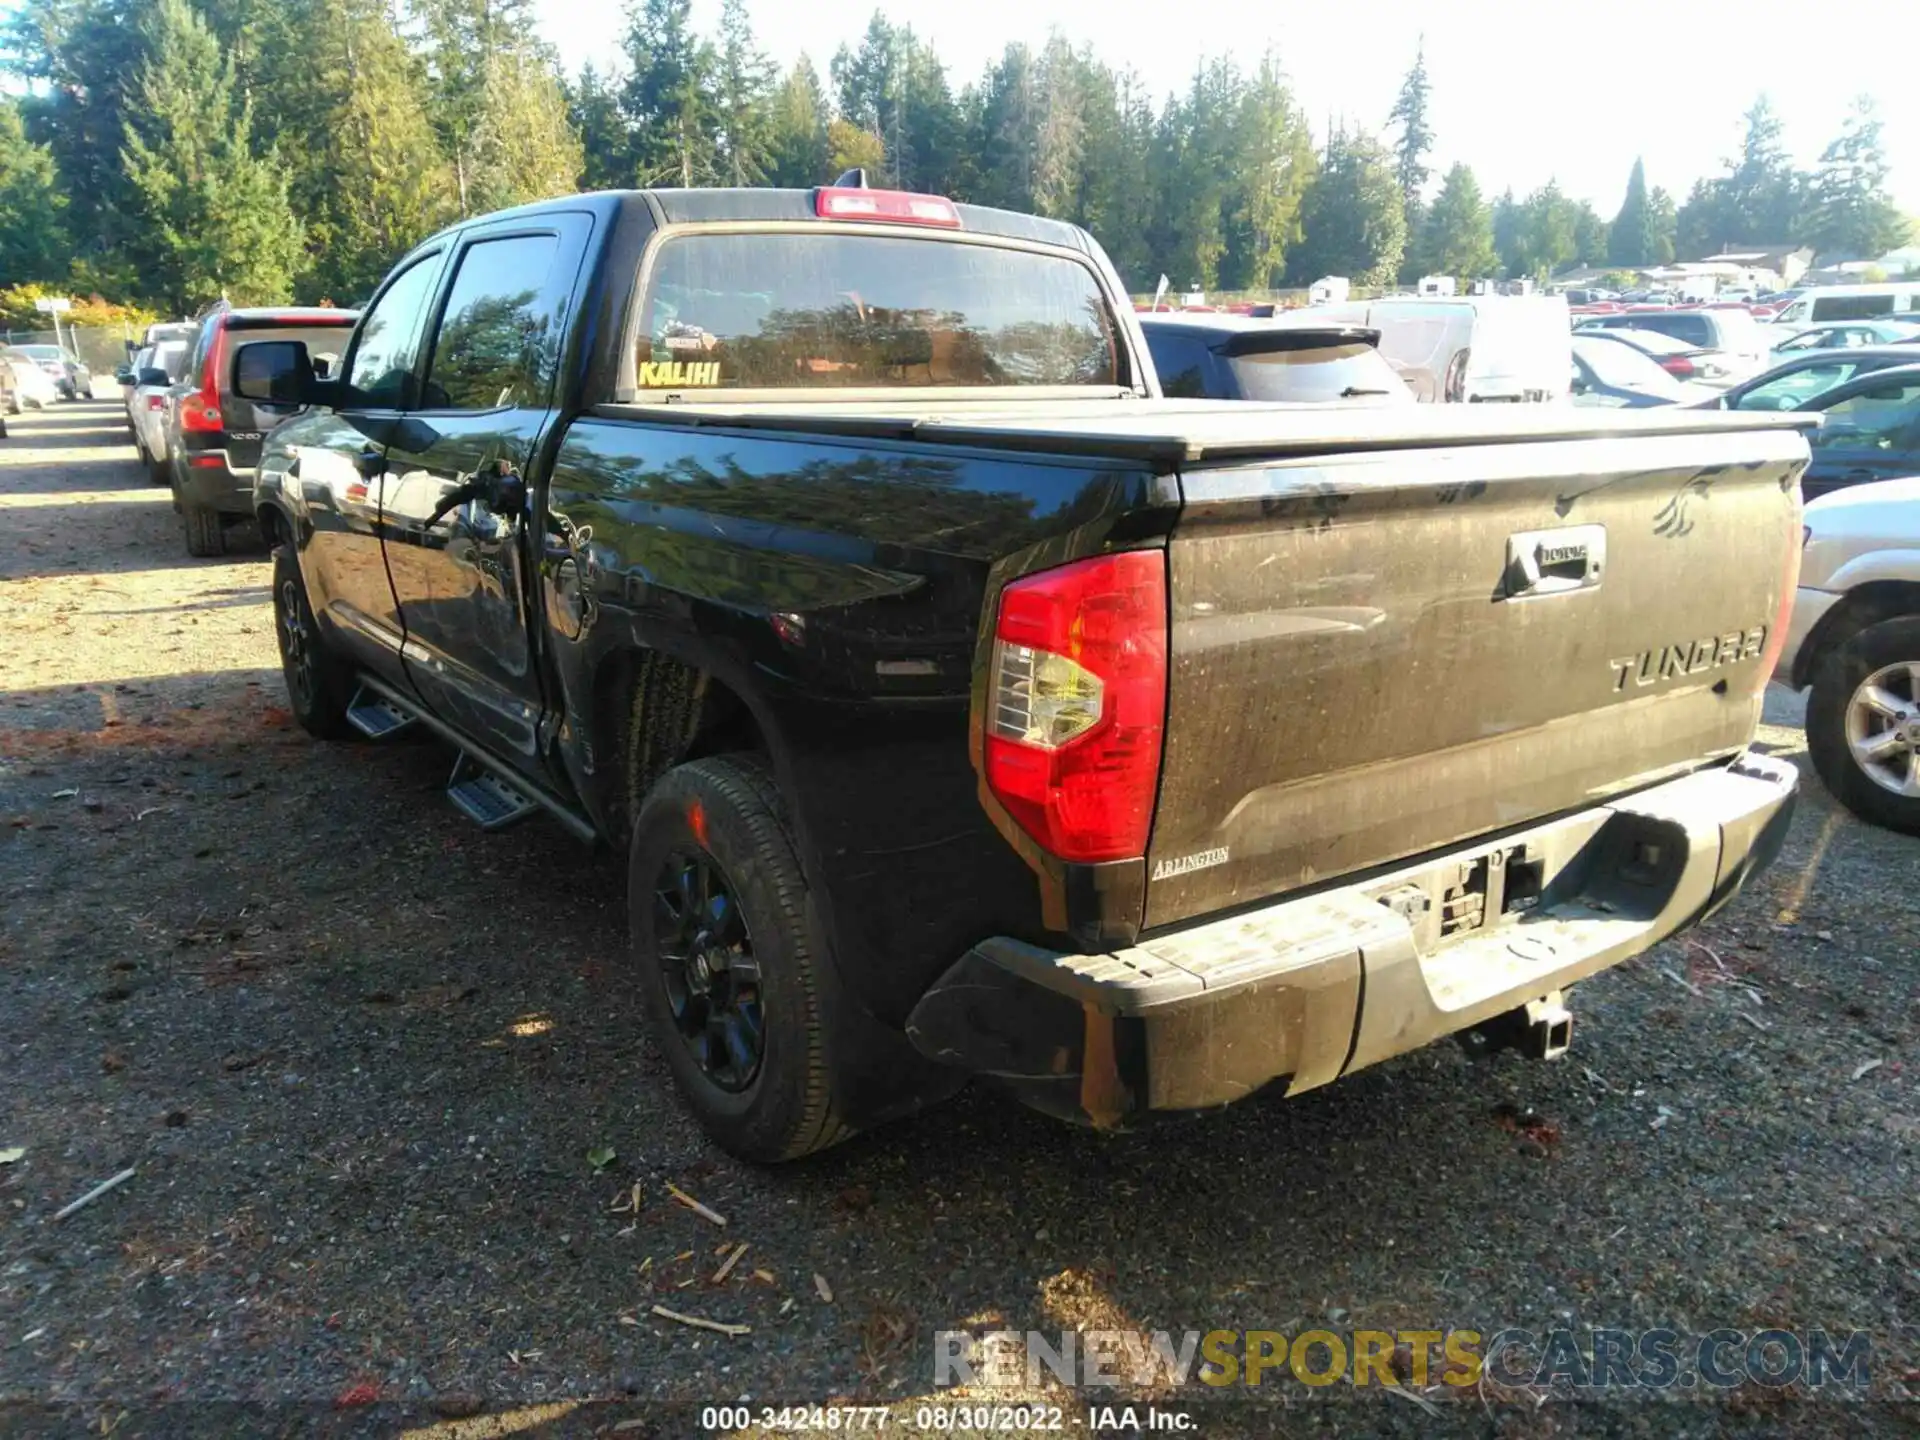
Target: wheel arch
1863,606
655,708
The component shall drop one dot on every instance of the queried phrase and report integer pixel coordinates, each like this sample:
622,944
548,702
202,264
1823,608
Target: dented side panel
1379,655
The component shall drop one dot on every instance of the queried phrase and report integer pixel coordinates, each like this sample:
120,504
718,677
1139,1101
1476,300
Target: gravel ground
359,1053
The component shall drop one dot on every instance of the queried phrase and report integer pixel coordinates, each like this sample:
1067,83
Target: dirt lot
359,1052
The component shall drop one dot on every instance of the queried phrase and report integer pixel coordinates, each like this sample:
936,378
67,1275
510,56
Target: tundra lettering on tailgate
1689,657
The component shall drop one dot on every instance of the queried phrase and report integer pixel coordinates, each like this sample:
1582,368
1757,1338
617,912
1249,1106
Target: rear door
461,562
1376,655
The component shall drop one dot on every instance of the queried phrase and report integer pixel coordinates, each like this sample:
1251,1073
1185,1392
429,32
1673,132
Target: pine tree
1629,239
593,109
1509,233
1456,235
1662,226
743,83
1116,169
366,171
1853,216
797,129
1410,151
215,219
81,57
1004,121
522,147
1273,164
1354,218
667,98
33,238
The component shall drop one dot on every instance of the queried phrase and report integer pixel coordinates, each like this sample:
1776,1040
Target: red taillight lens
1789,592
1077,704
1678,366
156,402
200,411
898,207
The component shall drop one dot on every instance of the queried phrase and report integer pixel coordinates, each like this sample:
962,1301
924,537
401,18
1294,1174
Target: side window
499,340
1875,419
1786,391
381,371
1177,361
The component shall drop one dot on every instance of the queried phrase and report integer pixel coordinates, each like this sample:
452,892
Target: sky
1522,92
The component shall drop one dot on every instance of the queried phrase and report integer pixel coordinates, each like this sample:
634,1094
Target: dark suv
213,436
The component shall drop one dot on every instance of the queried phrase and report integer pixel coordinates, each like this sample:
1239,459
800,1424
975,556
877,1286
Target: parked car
212,436
1851,302
164,366
1855,639
1850,334
1610,371
1473,348
1736,337
127,376
917,655
1790,385
1679,359
1229,357
1870,431
31,385
72,380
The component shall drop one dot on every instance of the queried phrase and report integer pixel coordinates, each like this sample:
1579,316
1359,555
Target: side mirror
124,374
153,375
275,372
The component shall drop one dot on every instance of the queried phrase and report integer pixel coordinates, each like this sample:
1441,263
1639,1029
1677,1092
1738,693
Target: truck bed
1190,431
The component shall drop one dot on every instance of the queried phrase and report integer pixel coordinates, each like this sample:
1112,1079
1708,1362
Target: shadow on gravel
48,473
142,711
108,537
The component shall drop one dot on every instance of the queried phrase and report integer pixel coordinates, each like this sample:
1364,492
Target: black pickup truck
965,707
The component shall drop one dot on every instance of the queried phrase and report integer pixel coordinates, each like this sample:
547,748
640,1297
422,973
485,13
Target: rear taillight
1789,592
200,411
898,207
1678,366
156,402
1077,703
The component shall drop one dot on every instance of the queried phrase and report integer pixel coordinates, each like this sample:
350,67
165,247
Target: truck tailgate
1379,654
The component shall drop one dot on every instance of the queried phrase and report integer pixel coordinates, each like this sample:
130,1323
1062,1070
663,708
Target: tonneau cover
1191,431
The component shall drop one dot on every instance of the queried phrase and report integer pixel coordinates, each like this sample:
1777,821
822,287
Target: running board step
484,798
376,717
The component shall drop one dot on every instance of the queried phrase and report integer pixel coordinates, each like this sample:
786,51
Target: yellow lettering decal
1419,1342
1223,1366
1263,1353
676,375
1463,1358
1372,1358
1303,1370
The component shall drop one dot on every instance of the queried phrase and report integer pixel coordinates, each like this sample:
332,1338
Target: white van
1476,348
1853,302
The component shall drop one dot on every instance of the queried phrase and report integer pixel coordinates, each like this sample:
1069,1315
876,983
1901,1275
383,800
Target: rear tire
1844,722
750,1055
320,684
205,530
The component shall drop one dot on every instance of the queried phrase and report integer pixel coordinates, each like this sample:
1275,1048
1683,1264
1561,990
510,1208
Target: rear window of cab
787,310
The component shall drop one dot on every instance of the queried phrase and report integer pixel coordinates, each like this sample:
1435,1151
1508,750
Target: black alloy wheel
708,969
